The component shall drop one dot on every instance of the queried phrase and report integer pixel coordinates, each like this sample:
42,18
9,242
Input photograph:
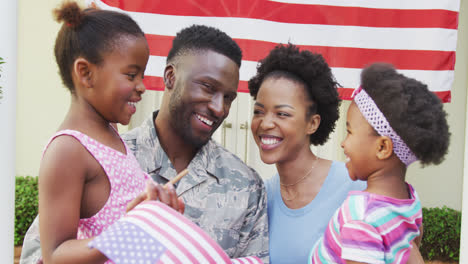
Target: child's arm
418,239
62,176
415,256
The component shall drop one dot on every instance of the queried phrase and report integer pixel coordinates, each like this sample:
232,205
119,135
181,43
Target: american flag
154,233
418,37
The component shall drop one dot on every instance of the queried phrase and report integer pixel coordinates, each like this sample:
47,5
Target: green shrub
441,235
26,205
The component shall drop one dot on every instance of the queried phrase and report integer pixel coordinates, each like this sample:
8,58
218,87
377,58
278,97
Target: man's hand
156,192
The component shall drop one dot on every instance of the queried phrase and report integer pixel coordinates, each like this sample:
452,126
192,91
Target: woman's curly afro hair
311,70
415,113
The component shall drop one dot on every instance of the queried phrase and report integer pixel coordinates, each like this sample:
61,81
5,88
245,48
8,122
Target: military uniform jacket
222,195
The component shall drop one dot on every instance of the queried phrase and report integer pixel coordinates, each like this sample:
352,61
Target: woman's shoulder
271,185
339,176
338,167
271,182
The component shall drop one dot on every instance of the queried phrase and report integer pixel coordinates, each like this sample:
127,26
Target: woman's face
280,125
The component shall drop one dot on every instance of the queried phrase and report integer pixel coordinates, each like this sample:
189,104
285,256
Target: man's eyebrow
259,104
211,79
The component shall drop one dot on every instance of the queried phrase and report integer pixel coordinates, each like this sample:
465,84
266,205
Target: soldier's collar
149,141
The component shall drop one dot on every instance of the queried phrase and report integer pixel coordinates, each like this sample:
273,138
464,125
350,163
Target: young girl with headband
88,175
392,122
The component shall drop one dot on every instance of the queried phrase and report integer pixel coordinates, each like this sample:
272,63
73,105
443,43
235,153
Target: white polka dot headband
377,120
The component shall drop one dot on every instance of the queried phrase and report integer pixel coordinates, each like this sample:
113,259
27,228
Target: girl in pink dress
88,176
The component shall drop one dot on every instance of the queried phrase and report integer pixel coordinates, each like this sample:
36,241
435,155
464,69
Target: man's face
205,85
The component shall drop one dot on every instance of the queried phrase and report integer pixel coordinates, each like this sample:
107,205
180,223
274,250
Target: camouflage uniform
222,195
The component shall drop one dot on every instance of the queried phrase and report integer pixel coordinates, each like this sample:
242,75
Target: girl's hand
166,194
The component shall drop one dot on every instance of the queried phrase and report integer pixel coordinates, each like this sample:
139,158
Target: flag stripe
188,234
388,4
183,239
169,215
307,34
168,237
437,81
172,246
154,232
255,50
303,34
347,77
168,258
156,83
345,94
419,37
297,13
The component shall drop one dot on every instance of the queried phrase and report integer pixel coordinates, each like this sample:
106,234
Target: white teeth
270,141
132,104
205,120
347,159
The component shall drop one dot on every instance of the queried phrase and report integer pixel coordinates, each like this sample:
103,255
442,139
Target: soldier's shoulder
131,135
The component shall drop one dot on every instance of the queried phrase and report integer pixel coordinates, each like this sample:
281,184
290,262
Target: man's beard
181,115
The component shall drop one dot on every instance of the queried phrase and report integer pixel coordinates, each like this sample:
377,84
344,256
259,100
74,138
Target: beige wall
43,102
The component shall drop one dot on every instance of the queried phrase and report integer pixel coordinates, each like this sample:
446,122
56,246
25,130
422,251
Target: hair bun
70,13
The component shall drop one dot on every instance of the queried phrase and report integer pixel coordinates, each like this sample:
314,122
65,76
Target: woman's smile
268,142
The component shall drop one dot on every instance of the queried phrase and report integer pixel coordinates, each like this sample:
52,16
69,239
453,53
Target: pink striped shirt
370,228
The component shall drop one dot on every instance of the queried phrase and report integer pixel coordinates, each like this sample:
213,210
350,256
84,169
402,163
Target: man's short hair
202,38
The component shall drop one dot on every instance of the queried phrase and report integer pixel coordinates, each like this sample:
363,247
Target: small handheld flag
155,233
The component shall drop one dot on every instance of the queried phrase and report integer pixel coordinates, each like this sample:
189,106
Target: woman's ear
169,76
384,147
314,123
82,69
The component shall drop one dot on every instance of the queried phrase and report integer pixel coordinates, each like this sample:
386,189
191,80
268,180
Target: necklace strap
288,199
303,177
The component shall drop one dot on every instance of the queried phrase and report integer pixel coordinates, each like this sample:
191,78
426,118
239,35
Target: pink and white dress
126,178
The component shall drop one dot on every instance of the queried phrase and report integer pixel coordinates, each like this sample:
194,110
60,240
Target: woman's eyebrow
284,105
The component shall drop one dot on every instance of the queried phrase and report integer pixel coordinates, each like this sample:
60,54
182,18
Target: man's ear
169,76
314,123
384,147
82,69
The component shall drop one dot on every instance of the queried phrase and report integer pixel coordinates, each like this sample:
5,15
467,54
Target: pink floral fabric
126,178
